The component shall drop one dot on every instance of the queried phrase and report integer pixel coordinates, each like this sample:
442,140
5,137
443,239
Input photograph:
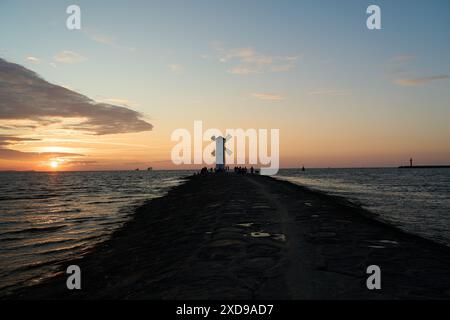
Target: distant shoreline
253,237
425,167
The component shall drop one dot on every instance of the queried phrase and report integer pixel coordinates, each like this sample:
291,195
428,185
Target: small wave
36,197
81,219
10,239
104,202
36,230
38,264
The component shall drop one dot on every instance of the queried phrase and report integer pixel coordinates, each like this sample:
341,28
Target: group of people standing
243,170
237,170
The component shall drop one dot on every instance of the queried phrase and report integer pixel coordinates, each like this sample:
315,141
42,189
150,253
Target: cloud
81,163
33,59
9,154
109,41
17,127
8,139
176,68
241,70
69,57
268,96
419,81
26,96
402,72
246,61
330,92
117,101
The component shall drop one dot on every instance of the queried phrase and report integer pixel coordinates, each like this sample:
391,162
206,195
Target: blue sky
310,65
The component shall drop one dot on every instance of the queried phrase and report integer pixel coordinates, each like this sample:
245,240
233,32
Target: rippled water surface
415,200
46,218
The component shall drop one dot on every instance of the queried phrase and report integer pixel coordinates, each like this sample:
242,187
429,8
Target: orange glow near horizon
301,144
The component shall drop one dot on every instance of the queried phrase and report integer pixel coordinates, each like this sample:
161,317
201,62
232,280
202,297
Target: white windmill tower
219,153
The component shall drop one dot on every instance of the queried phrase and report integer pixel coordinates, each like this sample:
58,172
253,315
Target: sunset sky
109,95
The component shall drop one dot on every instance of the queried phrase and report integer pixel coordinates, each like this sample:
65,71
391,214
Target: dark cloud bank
26,96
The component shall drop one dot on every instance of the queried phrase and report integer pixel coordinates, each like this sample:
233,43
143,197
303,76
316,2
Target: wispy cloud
402,71
8,139
176,68
117,101
9,154
109,41
246,61
330,92
26,96
267,96
73,162
420,81
33,60
103,142
69,57
17,127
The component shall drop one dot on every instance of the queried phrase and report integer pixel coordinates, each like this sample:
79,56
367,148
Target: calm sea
46,218
415,200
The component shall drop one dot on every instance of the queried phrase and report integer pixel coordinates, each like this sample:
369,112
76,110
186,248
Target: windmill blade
228,137
213,138
228,151
213,153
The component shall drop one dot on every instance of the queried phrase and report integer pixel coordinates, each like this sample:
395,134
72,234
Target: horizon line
195,169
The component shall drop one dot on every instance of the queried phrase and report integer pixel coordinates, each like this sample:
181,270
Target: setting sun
54,164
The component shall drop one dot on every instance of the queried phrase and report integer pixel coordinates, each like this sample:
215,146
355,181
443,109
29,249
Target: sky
109,96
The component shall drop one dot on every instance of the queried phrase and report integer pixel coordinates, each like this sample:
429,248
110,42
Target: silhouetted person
410,162
240,170
303,168
252,170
